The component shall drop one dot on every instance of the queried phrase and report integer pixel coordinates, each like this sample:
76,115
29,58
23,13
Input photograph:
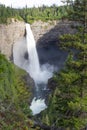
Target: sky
29,3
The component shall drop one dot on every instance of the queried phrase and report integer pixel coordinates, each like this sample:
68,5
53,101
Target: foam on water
37,106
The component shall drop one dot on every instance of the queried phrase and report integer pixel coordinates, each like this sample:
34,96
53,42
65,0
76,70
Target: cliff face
40,28
9,34
45,32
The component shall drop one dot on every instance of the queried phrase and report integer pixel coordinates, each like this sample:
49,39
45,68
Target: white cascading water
40,74
34,67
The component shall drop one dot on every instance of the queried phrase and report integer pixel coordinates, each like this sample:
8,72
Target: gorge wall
9,34
44,32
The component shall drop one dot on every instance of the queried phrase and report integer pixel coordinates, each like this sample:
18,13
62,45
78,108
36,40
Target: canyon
44,32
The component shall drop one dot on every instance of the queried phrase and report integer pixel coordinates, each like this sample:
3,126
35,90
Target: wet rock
52,84
29,80
26,55
30,84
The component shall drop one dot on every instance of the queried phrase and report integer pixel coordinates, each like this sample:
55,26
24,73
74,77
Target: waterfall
40,74
34,66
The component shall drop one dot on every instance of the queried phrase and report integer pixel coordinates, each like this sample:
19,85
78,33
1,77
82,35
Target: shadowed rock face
9,34
47,37
44,33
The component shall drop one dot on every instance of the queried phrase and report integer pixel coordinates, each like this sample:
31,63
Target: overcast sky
29,3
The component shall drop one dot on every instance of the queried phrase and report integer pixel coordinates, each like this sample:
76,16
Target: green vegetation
14,98
67,108
29,15
68,104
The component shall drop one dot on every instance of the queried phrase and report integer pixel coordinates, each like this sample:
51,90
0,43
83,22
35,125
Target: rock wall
40,28
45,32
9,34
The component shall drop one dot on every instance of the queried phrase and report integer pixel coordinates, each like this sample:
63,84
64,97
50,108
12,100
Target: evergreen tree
14,97
68,104
29,15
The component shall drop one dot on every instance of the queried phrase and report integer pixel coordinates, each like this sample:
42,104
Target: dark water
41,91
